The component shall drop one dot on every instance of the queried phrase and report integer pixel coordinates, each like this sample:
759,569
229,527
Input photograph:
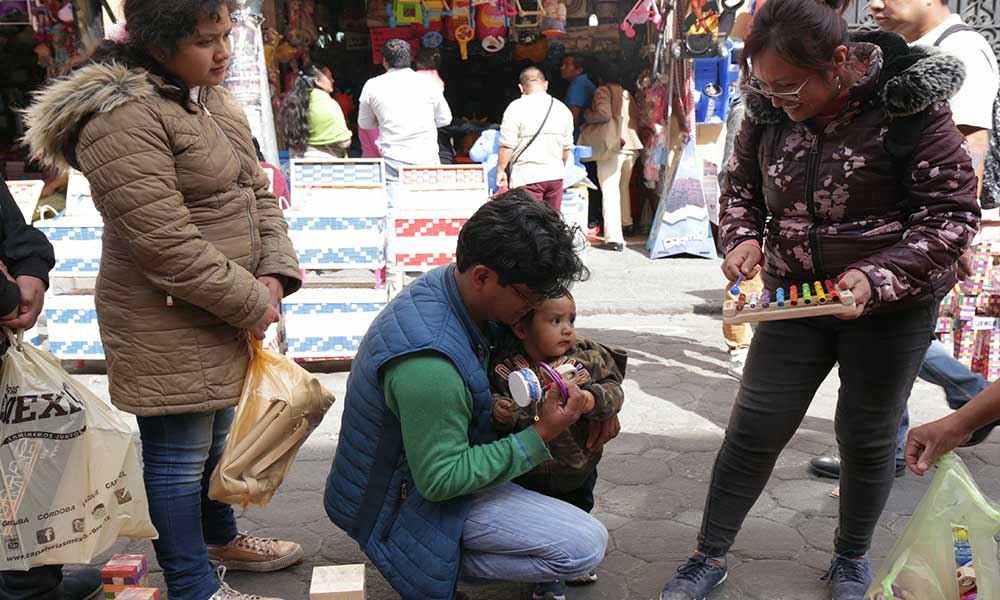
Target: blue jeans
942,369
513,534
179,453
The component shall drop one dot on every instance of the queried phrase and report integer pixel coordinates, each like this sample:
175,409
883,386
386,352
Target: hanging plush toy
554,21
644,11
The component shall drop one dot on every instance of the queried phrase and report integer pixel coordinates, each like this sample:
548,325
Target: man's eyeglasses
754,85
535,300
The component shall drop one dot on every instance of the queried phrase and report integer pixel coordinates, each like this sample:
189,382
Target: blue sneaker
849,578
550,590
696,578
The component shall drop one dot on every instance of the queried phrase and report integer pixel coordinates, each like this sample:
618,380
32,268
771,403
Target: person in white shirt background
536,137
931,23
407,110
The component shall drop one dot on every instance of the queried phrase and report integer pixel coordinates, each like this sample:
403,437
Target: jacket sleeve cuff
32,266
531,444
258,302
741,241
10,298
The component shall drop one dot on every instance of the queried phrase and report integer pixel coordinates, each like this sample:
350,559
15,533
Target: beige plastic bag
71,477
280,406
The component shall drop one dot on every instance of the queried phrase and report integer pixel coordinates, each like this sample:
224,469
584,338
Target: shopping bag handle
15,340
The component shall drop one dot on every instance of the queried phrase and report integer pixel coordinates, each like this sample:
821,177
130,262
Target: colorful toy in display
463,35
706,28
554,21
405,12
643,12
435,10
491,26
486,151
302,30
461,14
806,300
527,25
432,39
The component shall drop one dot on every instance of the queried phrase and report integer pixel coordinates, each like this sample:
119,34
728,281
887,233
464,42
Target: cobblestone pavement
653,481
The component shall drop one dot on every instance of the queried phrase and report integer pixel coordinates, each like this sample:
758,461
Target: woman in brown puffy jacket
196,258
848,167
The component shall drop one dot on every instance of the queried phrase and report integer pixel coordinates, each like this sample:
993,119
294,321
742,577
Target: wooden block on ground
342,582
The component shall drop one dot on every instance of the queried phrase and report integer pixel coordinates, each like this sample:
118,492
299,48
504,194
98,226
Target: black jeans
879,358
40,583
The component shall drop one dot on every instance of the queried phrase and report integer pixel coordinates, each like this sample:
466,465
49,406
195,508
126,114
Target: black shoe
82,583
980,435
612,246
628,231
829,466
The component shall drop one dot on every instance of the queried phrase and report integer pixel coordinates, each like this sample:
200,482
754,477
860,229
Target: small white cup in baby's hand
525,387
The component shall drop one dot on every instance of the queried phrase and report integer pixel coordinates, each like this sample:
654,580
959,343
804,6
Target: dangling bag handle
16,341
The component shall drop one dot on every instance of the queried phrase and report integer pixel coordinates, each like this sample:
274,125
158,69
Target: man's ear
520,330
481,276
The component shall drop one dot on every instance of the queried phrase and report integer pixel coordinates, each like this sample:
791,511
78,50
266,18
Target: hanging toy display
432,40
643,12
464,34
405,12
435,11
461,14
491,27
527,25
554,21
706,28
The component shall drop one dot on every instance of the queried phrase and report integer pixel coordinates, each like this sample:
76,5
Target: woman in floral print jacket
847,167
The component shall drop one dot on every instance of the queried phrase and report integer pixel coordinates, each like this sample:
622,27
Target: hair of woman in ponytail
160,24
295,110
803,33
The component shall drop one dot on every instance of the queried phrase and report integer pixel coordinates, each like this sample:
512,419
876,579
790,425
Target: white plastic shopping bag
71,477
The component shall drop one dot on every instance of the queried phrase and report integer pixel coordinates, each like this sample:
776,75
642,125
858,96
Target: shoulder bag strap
510,165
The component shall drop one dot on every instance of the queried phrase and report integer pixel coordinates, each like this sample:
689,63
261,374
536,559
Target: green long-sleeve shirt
426,392
327,124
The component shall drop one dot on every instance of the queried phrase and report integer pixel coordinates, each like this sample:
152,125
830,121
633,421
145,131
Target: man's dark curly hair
159,24
525,242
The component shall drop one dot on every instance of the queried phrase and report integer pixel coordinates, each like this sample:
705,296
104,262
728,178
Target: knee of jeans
583,552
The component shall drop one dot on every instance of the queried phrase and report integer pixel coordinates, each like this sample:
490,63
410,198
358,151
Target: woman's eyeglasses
754,85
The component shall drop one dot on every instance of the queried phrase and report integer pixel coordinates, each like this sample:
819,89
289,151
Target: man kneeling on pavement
420,480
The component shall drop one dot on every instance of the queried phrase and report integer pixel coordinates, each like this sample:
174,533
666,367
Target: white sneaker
737,358
227,593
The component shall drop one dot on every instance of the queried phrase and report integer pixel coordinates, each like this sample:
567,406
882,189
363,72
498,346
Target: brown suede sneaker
251,553
227,593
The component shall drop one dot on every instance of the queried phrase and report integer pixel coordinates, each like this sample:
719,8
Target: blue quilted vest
415,543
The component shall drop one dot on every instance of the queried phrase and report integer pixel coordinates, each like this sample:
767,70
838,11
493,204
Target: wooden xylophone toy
806,300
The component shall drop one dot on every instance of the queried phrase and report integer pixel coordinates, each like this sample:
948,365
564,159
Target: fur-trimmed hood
60,110
905,79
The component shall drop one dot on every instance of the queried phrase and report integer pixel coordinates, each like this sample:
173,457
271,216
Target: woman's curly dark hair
295,110
159,24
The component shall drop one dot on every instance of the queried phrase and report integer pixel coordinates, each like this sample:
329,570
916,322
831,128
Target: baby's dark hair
526,319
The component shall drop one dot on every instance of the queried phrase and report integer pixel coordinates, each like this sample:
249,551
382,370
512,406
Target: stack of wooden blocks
969,317
126,577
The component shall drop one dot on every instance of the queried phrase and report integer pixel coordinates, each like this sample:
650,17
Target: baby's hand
503,411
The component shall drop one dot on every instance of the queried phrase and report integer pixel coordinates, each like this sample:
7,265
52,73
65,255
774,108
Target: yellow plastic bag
953,517
71,480
280,406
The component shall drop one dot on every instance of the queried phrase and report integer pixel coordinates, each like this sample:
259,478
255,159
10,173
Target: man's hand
502,182
556,417
276,288
32,297
925,444
857,283
602,432
745,258
503,411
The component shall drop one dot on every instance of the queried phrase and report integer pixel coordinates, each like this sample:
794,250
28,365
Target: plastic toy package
948,550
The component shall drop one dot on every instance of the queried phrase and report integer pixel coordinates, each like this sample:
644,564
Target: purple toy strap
555,378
